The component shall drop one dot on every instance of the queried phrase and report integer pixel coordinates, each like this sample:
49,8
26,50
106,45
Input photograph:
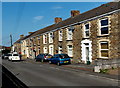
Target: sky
23,17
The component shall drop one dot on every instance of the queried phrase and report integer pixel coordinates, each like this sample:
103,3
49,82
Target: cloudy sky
23,17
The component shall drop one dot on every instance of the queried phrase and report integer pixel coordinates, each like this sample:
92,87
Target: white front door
86,50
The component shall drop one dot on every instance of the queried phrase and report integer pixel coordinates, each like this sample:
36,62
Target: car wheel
42,61
50,62
58,63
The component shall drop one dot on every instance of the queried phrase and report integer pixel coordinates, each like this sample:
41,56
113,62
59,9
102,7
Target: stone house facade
88,36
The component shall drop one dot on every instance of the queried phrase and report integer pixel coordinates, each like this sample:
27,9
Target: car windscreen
64,56
9,54
15,55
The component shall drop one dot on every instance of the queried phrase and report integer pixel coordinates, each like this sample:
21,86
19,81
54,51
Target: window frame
44,42
50,38
84,30
71,38
100,26
100,54
60,35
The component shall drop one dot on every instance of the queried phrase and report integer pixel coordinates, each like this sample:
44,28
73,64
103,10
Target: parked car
43,57
60,59
14,57
5,56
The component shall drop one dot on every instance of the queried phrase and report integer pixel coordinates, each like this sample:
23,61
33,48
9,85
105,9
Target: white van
14,57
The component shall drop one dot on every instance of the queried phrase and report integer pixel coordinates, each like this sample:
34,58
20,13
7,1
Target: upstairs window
104,49
45,39
38,40
60,35
51,37
69,34
87,30
104,26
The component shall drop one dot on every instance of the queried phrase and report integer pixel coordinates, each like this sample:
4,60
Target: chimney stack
58,19
30,33
21,36
75,13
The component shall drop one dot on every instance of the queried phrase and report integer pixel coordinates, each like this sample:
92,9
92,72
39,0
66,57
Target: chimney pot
30,33
75,13
58,19
21,36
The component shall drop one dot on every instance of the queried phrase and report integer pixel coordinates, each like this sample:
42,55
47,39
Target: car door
56,60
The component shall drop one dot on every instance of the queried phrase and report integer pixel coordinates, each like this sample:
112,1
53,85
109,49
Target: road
44,74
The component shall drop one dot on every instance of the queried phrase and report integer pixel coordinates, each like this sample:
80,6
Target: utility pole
11,39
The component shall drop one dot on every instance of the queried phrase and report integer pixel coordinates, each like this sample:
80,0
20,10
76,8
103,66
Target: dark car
60,59
43,57
5,56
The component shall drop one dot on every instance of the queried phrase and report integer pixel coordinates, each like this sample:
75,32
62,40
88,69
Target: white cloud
37,18
57,7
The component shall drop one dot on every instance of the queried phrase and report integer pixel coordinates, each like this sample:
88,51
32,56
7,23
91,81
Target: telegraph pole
11,40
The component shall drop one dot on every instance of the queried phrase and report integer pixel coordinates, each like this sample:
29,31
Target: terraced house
88,36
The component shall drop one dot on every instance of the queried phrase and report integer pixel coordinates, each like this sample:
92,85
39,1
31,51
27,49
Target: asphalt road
44,74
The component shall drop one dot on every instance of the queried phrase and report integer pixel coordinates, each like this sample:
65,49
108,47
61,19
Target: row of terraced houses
88,36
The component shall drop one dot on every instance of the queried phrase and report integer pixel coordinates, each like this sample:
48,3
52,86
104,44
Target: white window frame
103,26
103,49
60,35
69,35
59,50
51,37
38,40
51,52
44,36
68,48
84,32
44,49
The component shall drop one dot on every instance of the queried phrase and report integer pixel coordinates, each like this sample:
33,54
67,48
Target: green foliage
103,70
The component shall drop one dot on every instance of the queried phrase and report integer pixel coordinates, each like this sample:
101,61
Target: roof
18,41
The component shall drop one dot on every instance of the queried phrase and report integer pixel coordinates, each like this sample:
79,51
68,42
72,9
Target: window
45,39
60,49
51,50
104,23
60,35
104,49
38,40
86,30
45,49
69,34
70,50
51,37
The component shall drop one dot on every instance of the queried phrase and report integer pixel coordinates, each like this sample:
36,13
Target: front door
86,51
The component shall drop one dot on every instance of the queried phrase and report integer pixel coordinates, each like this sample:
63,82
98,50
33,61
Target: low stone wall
106,64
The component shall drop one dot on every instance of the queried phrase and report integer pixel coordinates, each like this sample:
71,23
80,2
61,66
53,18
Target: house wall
113,38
